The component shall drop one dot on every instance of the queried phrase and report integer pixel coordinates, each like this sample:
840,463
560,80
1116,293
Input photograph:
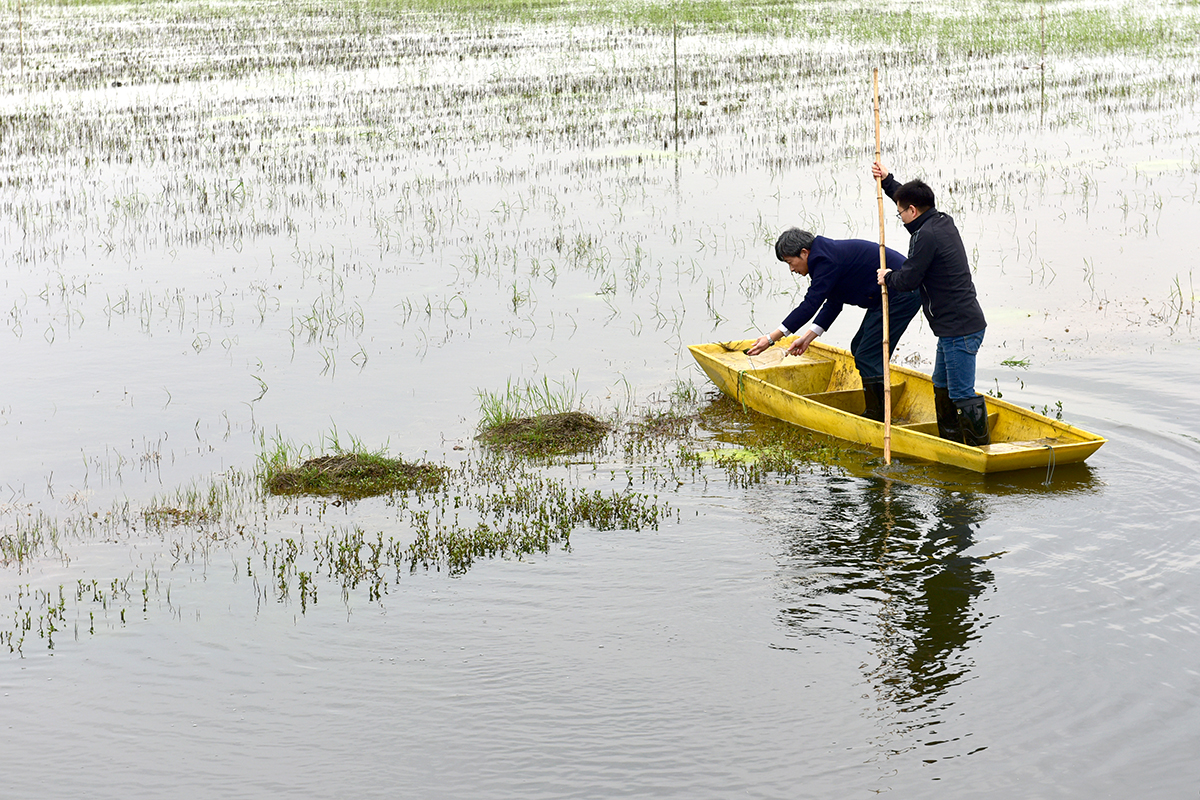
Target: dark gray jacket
937,264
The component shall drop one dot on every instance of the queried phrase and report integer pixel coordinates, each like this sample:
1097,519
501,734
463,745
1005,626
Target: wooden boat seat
1013,447
800,376
921,427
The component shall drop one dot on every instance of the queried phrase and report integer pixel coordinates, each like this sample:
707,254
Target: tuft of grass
538,418
547,434
350,472
352,476
523,399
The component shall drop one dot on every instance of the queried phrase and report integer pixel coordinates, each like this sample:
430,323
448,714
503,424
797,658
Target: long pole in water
887,350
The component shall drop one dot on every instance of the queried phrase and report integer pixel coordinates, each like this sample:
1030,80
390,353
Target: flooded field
236,235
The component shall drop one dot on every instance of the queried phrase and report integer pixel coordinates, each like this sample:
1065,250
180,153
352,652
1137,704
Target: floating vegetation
536,418
748,466
565,433
755,447
351,476
496,504
523,399
674,420
219,503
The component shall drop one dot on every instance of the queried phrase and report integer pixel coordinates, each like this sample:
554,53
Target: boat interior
832,380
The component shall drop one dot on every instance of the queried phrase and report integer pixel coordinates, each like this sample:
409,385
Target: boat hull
821,391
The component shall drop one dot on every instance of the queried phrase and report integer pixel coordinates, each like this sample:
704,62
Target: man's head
912,200
792,247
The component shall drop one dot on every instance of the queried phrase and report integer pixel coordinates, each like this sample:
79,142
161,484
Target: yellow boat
821,391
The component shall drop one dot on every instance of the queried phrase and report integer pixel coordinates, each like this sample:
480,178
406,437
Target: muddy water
333,246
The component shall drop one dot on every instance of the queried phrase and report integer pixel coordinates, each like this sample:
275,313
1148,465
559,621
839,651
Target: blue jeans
867,344
954,365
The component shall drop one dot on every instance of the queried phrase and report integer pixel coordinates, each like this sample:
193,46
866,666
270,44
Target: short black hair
914,193
791,242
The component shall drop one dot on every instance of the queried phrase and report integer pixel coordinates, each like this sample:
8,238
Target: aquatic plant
352,476
547,434
529,398
349,472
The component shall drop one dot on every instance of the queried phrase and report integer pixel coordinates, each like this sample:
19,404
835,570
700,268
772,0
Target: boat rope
1049,465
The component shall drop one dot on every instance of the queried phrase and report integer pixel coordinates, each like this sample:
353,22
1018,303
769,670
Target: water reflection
898,564
929,584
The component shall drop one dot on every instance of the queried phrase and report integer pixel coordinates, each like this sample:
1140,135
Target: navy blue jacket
937,264
841,271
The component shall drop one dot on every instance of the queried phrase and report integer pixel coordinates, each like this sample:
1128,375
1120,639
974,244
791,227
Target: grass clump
537,418
352,476
547,434
524,399
349,473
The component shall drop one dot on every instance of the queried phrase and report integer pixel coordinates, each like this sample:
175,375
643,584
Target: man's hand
879,170
761,344
881,276
800,345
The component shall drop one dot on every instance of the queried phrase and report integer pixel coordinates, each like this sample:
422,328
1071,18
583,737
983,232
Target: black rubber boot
947,415
873,401
974,421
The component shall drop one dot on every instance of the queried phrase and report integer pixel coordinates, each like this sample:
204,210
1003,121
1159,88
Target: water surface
240,232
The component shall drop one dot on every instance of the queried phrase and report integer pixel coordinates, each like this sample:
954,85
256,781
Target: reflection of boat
821,391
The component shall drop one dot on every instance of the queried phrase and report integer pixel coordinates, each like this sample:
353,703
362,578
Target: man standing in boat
937,264
843,271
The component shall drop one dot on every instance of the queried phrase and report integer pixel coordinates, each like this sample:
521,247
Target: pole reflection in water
928,583
898,564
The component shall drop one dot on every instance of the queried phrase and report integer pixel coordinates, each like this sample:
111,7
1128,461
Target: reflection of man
910,552
940,620
843,271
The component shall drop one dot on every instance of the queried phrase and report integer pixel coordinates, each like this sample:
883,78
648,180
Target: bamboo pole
887,350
